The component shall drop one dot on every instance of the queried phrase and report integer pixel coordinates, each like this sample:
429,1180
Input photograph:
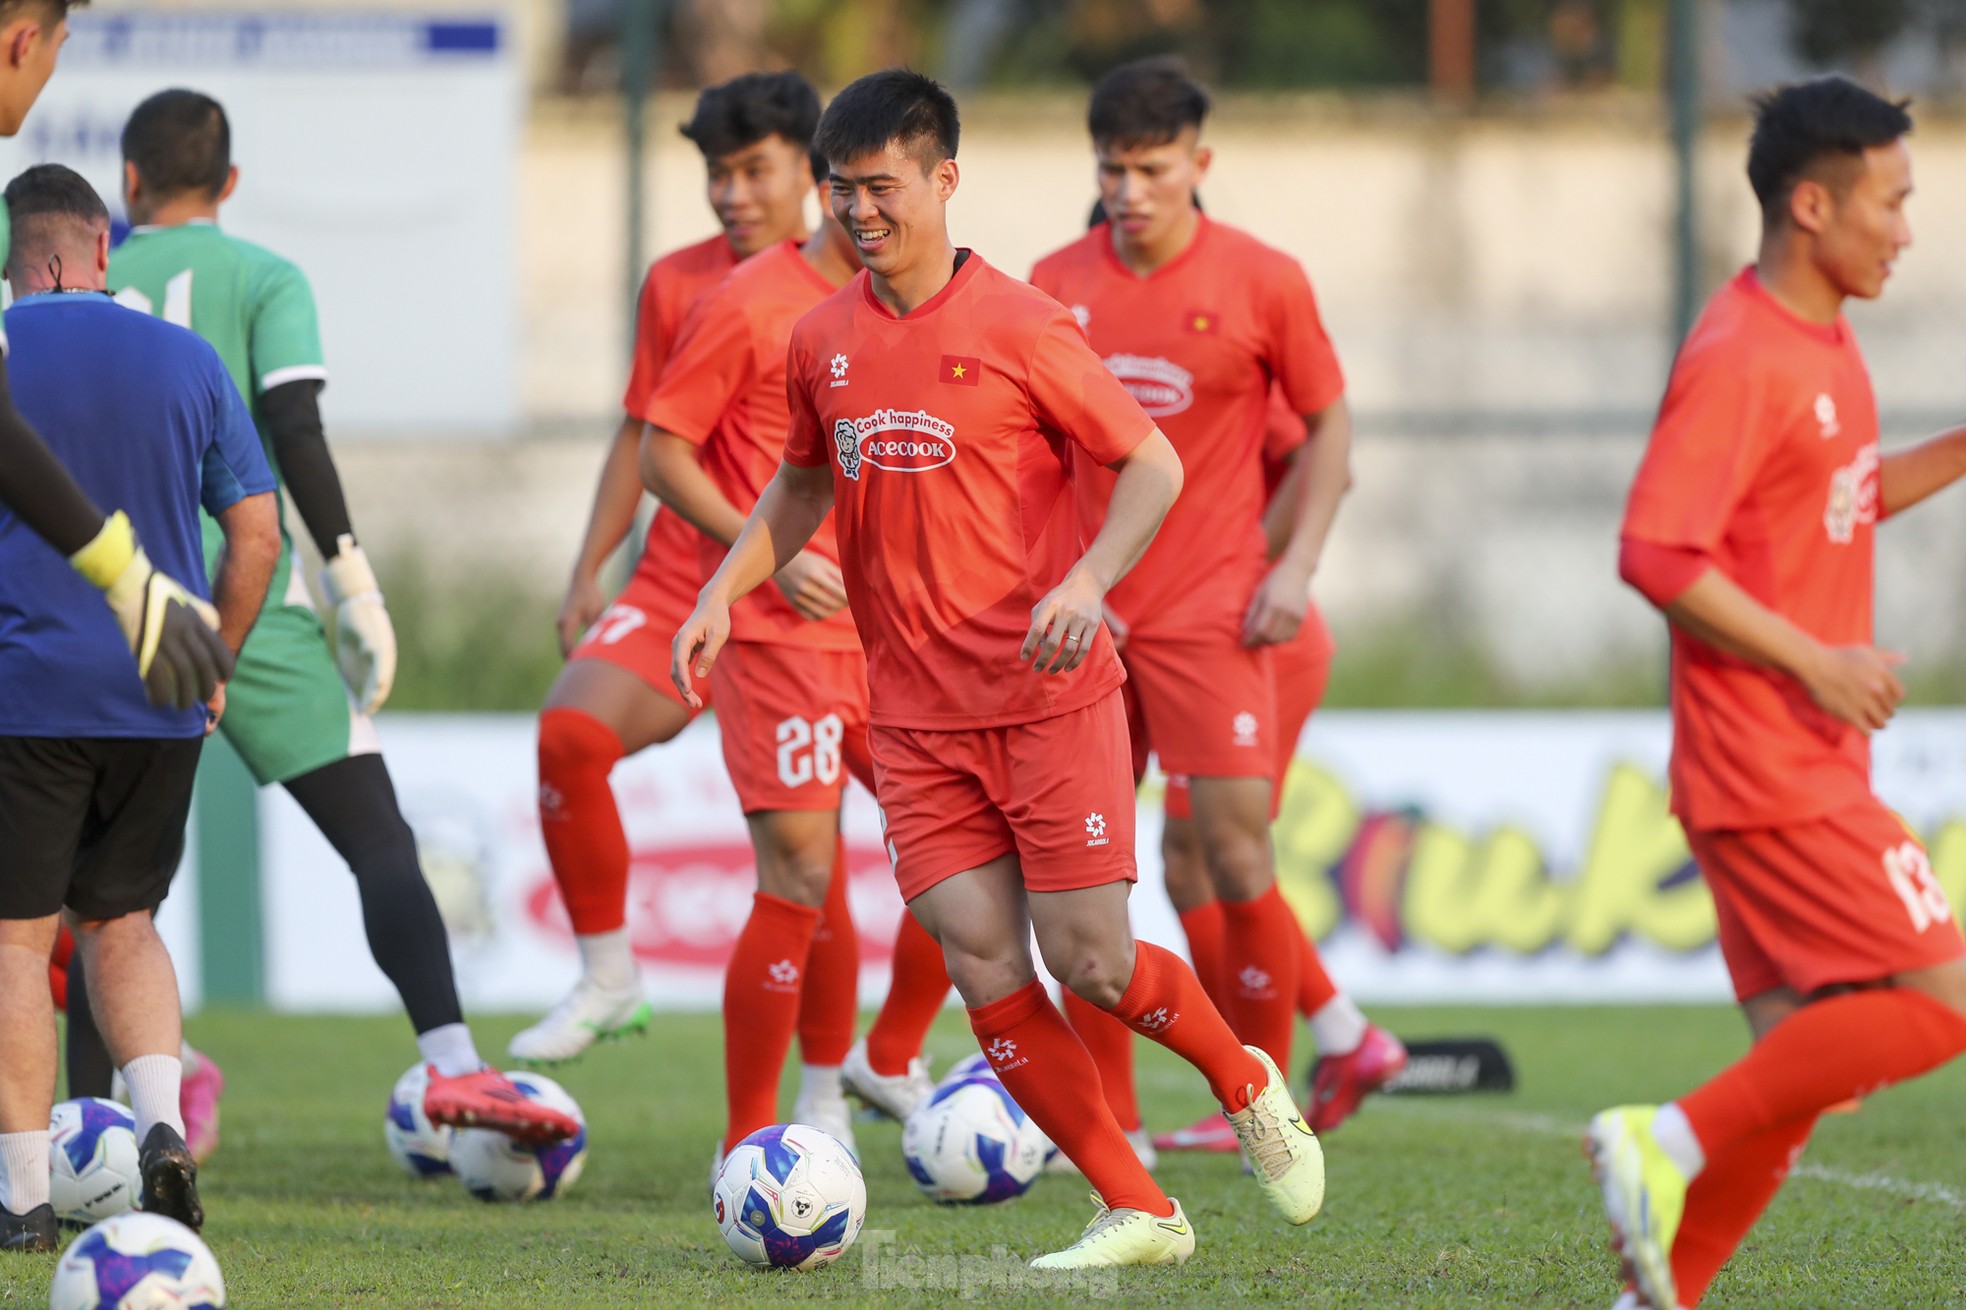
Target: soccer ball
969,1143
790,1197
493,1167
137,1261
92,1160
421,1147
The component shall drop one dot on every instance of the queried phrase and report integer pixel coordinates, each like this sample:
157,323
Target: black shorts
92,823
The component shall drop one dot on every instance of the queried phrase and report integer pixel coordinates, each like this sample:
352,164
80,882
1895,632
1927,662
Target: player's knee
982,977
1184,871
800,880
573,742
1097,970
1239,865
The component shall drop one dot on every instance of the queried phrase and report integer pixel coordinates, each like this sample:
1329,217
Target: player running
935,400
1200,321
95,784
1751,525
288,714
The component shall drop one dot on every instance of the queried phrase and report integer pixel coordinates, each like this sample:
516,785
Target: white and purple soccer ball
968,1142
789,1197
493,1167
137,1261
92,1160
421,1147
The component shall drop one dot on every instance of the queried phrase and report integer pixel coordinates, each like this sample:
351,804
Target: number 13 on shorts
1910,872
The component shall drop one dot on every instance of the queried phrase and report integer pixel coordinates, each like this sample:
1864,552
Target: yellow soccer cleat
1126,1237
1644,1197
1282,1150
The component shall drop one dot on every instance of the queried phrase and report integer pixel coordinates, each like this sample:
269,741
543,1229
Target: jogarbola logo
1160,385
895,441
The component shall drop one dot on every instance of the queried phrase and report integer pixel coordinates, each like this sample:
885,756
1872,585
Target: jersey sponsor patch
894,440
1161,386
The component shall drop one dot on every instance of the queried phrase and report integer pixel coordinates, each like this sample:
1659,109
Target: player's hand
172,633
1064,624
1276,611
215,710
699,641
813,585
365,640
1857,685
1118,627
583,605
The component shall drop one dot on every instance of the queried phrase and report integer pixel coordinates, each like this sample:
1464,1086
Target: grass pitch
1432,1202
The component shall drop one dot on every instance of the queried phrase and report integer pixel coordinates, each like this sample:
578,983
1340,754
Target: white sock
23,1171
155,1082
606,959
450,1048
188,1056
1338,1026
1677,1139
820,1082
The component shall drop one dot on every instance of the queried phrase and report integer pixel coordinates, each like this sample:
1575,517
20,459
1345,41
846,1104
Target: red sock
914,998
1827,1051
1314,985
1203,925
579,820
1726,1199
1164,1001
1110,1044
761,1007
1260,942
1046,1070
830,999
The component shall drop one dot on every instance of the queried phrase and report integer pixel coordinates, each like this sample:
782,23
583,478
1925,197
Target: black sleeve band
35,486
300,448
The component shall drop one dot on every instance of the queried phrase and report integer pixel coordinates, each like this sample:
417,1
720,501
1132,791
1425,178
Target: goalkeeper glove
171,632
365,641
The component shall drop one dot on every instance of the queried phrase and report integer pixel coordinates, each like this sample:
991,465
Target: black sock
353,803
90,1070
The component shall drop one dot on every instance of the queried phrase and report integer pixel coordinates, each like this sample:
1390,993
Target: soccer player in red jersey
1201,321
1751,525
935,404
614,697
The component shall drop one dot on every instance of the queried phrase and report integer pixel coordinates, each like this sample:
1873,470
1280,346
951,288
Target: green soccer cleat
1126,1237
589,1014
1644,1197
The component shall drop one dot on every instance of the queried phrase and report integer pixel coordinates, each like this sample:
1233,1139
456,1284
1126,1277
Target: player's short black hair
738,114
40,202
179,141
895,104
1805,125
1148,102
11,9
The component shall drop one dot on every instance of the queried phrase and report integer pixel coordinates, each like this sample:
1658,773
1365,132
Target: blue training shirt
147,419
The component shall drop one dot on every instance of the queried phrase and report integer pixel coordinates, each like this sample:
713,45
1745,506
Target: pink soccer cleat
1340,1082
197,1101
1209,1133
488,1099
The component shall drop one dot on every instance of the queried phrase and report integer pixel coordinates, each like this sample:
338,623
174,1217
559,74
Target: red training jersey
724,392
950,434
1764,457
1200,342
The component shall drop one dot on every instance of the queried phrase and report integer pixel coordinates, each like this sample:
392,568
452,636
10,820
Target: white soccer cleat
830,1113
894,1095
589,1014
1143,1147
1644,1198
1280,1147
1126,1237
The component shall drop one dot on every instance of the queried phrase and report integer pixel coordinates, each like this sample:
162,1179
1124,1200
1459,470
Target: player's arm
616,498
1906,477
1322,472
245,567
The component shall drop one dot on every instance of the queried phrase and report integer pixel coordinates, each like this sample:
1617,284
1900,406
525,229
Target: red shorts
1300,667
1208,707
1845,898
1057,793
637,631
794,723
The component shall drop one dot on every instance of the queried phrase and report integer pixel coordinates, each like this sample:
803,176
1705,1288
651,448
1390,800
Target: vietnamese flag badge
1201,320
963,370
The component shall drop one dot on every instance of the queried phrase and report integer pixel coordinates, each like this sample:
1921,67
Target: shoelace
1101,1221
1265,1147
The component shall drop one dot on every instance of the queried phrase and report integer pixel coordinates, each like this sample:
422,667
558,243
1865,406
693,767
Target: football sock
353,803
58,967
1110,1044
91,1070
1164,1001
1677,1139
1337,1026
449,1047
607,960
154,1082
829,1000
1046,1070
1726,1200
761,1008
24,1170
1827,1051
1203,926
820,1082
1315,990
1260,946
914,998
580,821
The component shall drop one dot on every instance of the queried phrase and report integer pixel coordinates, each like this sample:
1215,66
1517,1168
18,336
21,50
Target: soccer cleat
34,1231
170,1178
1057,1162
589,1014
894,1095
1282,1151
488,1099
1126,1237
1644,1197
1212,1133
830,1113
1340,1082
197,1101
